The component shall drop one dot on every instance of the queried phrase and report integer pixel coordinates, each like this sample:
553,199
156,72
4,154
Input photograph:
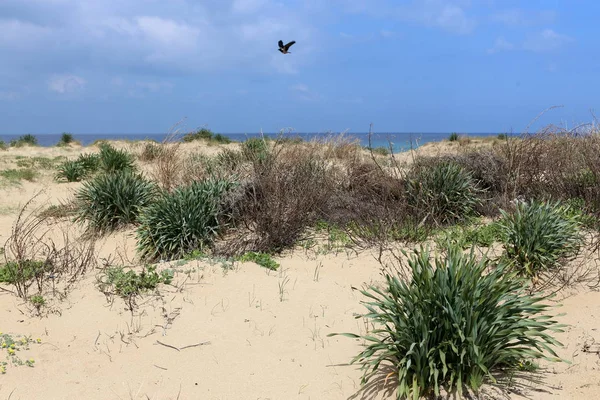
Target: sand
224,331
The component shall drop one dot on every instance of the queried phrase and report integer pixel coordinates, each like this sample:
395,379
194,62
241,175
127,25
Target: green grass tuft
452,325
111,201
180,222
537,235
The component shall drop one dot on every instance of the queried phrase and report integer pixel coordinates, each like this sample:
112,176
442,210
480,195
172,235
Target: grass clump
111,201
207,135
113,160
538,235
76,170
452,325
179,222
70,171
3,145
24,140
465,236
129,284
263,259
444,193
66,139
16,175
453,137
200,134
150,152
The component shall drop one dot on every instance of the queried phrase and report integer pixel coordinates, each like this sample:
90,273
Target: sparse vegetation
206,135
453,137
130,284
263,259
16,175
451,325
3,145
24,140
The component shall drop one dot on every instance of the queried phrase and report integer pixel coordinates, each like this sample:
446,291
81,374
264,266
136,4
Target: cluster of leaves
537,235
111,201
184,220
263,259
452,324
24,140
443,192
206,134
129,284
66,139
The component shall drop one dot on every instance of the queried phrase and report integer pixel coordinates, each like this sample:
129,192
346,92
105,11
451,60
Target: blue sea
399,141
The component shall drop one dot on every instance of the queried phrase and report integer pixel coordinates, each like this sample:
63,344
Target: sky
142,66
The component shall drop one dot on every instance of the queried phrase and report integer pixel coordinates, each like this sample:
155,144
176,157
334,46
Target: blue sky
140,66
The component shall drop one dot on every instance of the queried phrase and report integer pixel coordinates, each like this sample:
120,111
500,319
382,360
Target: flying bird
284,49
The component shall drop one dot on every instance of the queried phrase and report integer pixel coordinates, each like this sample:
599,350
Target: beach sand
252,333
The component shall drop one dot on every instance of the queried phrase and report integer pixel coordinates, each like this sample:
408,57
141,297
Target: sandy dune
239,331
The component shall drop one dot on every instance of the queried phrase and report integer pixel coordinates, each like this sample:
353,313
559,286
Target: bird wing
281,44
287,46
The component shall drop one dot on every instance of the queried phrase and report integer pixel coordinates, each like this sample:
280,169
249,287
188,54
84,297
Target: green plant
453,137
202,133
22,273
502,136
3,145
113,160
382,150
255,149
452,325
90,162
443,192
219,138
71,171
263,259
150,152
65,139
15,175
468,235
129,284
111,201
24,140
182,221
37,301
537,235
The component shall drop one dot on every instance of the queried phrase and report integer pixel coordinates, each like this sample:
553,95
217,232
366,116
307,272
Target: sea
399,141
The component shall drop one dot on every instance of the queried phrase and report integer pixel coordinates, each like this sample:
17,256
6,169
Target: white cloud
447,15
21,35
180,36
65,84
520,17
546,41
501,44
303,92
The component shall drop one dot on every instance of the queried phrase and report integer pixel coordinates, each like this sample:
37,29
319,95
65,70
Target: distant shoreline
400,141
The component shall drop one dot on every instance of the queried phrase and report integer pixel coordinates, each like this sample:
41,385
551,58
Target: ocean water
399,141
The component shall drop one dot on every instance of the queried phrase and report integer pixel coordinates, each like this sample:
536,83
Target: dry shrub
168,166
287,192
34,257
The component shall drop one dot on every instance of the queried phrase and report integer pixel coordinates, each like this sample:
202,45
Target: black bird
284,49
